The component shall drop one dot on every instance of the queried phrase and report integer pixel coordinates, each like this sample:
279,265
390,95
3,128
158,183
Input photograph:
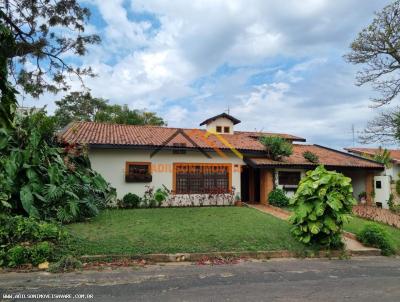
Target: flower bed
377,214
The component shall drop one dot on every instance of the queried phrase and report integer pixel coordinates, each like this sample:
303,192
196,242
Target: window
226,130
218,129
179,148
378,184
138,172
202,178
289,178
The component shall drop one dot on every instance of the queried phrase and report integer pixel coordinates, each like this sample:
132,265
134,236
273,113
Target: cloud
276,64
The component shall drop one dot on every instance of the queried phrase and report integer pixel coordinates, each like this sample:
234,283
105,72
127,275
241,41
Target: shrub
278,198
130,201
17,256
322,203
41,252
375,236
277,147
27,240
311,157
65,264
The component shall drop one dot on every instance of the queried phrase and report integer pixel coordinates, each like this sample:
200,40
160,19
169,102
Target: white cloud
293,48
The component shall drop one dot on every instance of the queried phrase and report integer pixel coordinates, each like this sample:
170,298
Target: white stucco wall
111,164
393,172
222,121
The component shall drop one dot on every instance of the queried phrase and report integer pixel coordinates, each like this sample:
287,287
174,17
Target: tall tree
82,106
377,48
78,106
45,33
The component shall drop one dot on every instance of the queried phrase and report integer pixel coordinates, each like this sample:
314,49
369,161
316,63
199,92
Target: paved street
358,279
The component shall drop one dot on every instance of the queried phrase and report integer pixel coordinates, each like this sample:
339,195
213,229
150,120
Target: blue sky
278,65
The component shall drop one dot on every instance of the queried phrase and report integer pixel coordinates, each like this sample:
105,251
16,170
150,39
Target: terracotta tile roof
370,152
327,157
102,134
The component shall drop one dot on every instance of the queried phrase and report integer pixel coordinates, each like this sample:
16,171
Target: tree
45,31
82,106
78,106
8,100
377,47
384,128
123,115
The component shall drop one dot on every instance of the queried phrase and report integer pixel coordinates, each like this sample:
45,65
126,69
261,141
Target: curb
260,255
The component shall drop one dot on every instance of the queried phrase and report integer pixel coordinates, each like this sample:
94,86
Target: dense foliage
82,106
46,34
277,147
29,241
41,179
8,101
311,157
278,198
322,203
375,236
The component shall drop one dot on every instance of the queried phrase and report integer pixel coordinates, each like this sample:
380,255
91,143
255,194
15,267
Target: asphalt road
359,279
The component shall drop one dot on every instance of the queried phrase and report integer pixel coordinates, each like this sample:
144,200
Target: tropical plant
375,236
278,198
311,157
322,203
383,156
43,179
277,147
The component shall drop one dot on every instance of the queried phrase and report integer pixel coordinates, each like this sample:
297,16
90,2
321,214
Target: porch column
266,185
369,187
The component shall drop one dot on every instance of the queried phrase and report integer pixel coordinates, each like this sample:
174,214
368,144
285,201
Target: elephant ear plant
322,204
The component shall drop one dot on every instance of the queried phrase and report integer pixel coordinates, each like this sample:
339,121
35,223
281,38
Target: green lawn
356,225
173,230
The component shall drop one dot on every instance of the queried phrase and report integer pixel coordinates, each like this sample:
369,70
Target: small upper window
226,129
218,129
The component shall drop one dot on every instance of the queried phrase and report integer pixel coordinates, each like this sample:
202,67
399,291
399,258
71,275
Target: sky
277,65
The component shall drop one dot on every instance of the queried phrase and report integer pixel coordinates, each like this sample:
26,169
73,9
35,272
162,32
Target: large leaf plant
322,203
43,179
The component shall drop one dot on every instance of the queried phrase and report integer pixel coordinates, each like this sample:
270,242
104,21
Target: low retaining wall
261,255
198,200
377,214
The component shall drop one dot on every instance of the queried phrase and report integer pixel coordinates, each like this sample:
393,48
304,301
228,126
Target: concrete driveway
358,279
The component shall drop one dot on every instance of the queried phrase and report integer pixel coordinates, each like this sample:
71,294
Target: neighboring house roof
394,154
222,115
328,157
115,135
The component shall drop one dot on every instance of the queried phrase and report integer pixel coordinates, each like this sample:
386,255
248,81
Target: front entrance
250,184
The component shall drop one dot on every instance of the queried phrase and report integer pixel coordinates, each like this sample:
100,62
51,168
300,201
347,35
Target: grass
173,230
357,224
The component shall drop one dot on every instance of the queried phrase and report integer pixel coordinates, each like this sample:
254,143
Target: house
385,182
215,160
